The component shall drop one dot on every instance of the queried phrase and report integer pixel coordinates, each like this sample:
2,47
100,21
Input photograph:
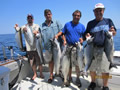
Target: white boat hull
14,66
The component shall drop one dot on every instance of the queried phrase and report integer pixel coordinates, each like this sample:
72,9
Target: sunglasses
29,18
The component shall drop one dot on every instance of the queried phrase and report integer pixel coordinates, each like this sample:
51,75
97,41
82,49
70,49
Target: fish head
38,35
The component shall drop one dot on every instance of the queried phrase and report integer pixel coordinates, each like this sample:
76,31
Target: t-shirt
73,32
94,26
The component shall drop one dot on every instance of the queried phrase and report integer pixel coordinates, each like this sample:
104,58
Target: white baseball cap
99,5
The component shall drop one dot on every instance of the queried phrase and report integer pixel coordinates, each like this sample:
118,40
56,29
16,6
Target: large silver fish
56,55
63,52
79,55
88,54
39,48
109,48
65,64
18,37
29,36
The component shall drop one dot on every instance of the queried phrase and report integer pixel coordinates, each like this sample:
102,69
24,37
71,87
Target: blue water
9,40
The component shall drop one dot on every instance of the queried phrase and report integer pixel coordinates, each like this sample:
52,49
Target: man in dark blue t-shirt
73,32
100,62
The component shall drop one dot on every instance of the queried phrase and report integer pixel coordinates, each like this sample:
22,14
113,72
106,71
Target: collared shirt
48,32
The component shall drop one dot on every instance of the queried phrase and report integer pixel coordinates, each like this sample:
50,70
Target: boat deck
41,84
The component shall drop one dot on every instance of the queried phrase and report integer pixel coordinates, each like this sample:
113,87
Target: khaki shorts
100,62
33,58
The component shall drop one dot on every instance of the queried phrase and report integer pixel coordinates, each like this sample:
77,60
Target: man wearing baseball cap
100,63
30,15
32,53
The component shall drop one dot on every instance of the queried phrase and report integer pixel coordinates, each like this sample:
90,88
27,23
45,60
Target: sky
15,11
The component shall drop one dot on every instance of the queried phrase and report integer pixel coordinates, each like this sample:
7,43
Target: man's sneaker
92,86
78,82
105,88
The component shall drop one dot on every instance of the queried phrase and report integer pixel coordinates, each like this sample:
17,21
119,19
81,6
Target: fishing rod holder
4,53
11,51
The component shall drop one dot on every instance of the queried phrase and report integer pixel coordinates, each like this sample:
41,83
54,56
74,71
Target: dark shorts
33,58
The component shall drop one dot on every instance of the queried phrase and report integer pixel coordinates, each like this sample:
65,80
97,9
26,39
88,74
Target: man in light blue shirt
48,30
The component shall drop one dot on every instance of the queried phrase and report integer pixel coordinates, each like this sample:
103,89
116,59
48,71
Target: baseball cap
99,5
30,15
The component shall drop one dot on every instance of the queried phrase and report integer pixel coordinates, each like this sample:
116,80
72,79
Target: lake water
9,40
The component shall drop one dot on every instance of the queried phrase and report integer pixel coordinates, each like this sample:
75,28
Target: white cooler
4,78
